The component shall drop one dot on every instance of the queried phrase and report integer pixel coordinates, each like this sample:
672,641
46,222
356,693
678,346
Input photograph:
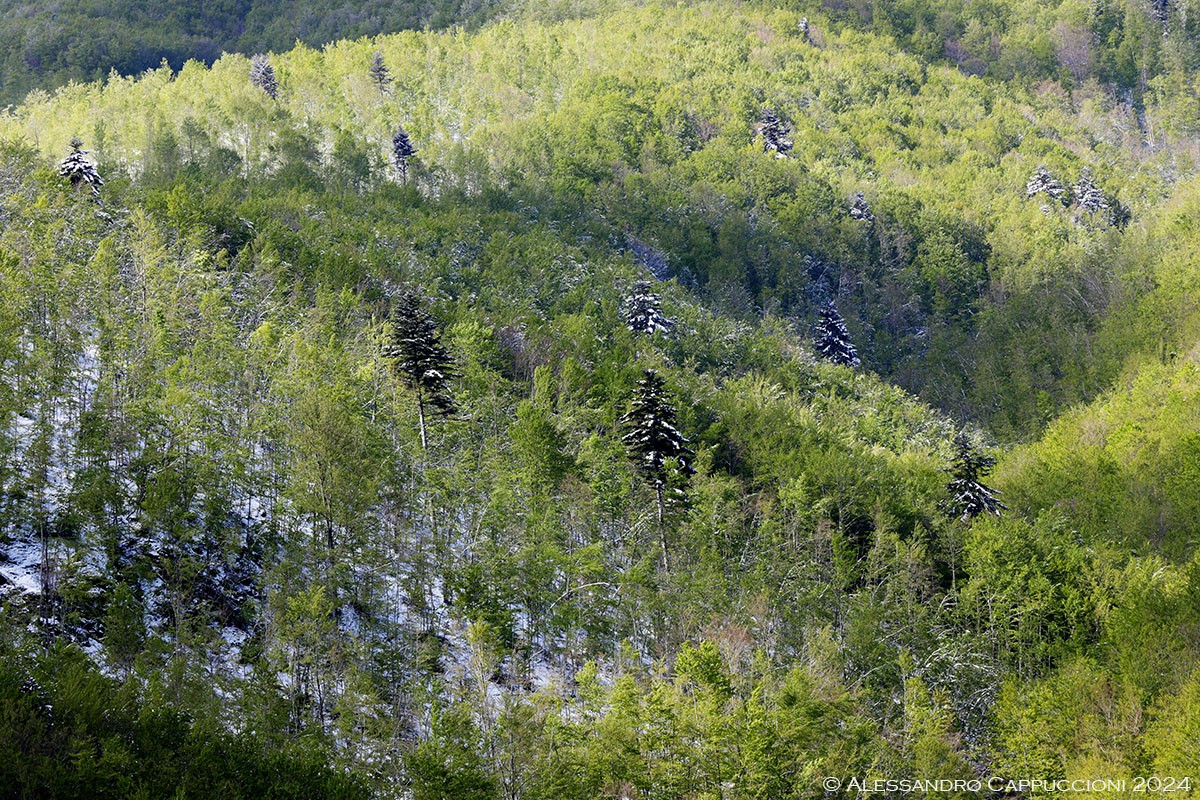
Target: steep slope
644,123
216,492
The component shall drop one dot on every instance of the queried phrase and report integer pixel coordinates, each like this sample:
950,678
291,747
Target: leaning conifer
419,358
79,169
262,75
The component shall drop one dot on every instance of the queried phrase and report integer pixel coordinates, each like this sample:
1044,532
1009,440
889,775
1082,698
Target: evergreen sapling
1042,182
402,151
379,73
860,209
1088,194
774,133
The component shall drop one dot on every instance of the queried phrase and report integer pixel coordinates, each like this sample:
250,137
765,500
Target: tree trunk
662,528
421,420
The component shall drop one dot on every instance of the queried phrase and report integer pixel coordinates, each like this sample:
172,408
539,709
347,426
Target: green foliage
212,470
67,731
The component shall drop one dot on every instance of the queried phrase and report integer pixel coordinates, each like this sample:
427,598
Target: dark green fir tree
402,151
79,169
968,496
658,450
420,359
832,339
262,75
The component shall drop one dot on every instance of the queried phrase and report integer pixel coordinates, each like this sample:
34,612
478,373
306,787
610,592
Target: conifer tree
79,169
1043,182
774,133
402,150
968,497
860,209
420,359
1088,194
262,75
832,339
379,72
656,447
642,311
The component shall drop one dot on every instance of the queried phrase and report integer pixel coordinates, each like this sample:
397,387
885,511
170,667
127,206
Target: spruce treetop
402,150
418,355
774,133
1043,182
379,72
1088,194
642,311
832,338
262,75
968,496
860,209
651,436
79,169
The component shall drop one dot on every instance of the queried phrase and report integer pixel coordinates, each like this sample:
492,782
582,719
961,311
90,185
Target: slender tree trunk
662,528
421,420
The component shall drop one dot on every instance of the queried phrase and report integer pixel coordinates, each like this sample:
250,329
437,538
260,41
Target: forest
642,400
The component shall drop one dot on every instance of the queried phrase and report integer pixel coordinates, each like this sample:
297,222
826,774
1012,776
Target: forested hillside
649,401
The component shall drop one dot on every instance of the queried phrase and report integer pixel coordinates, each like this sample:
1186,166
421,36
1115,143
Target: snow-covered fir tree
419,358
658,450
774,133
968,497
379,73
402,151
262,75
80,170
1042,182
1088,194
860,209
642,311
832,339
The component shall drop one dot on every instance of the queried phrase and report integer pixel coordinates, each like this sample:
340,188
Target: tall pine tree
968,497
832,339
658,450
420,359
